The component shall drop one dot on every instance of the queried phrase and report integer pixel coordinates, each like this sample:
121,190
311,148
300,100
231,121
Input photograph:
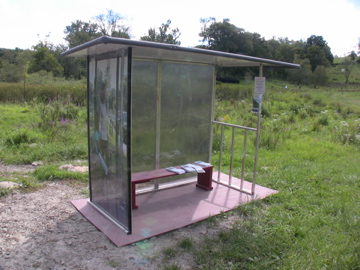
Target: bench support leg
204,180
133,194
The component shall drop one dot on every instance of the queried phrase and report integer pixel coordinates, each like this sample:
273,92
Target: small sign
260,85
257,100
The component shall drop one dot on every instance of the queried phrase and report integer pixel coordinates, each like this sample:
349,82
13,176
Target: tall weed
36,93
57,112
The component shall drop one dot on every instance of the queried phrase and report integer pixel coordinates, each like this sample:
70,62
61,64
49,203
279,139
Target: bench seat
204,180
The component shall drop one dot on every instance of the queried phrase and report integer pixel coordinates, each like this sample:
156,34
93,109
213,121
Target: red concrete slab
170,209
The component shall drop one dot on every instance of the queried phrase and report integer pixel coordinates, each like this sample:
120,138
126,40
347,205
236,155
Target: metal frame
229,183
120,55
155,184
107,44
246,129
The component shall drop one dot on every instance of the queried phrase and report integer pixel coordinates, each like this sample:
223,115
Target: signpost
258,92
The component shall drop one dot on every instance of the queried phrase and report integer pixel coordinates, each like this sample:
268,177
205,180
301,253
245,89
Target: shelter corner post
257,138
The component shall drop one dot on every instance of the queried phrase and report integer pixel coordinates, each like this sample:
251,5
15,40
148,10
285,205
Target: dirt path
43,230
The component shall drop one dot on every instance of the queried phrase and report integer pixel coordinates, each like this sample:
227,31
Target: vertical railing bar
257,139
158,122
256,151
221,149
243,161
231,155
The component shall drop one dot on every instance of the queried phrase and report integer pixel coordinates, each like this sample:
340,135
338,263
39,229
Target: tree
347,67
303,75
80,32
10,73
111,24
163,35
316,57
318,52
13,64
353,56
320,77
272,47
259,48
285,52
44,59
224,36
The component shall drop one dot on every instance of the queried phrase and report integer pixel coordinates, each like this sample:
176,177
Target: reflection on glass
186,98
171,113
108,134
144,98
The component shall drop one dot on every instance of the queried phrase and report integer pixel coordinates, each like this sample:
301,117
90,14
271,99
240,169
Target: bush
74,92
18,138
56,112
233,92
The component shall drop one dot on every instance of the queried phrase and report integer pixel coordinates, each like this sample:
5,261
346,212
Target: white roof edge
83,50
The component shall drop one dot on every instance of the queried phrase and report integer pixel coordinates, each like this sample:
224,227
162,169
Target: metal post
221,149
158,123
231,154
213,89
257,139
243,161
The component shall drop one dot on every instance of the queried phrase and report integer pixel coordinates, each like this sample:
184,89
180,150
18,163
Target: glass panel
186,99
108,137
144,93
171,114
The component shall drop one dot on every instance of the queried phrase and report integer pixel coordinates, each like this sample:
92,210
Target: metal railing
231,152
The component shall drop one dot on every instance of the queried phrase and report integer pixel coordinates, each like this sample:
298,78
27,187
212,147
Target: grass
23,140
43,92
52,172
313,222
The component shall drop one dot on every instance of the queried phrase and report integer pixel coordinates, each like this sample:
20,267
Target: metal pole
243,161
213,89
158,123
231,155
221,149
257,139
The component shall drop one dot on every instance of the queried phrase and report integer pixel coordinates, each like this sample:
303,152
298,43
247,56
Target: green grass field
309,152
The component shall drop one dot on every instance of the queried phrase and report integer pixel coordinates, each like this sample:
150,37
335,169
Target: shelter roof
153,50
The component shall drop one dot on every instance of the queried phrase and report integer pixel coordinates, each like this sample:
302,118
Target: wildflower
64,121
357,136
227,118
343,123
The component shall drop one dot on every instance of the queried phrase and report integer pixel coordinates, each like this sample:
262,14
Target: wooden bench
204,180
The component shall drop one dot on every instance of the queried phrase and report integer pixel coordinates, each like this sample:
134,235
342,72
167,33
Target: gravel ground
43,230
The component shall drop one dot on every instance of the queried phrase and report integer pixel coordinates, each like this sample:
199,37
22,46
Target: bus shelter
150,112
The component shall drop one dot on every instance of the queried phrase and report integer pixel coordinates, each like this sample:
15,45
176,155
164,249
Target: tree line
313,54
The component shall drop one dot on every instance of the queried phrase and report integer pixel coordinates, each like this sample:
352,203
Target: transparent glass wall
186,103
144,99
108,136
171,113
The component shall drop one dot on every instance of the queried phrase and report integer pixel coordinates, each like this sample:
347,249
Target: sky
23,23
